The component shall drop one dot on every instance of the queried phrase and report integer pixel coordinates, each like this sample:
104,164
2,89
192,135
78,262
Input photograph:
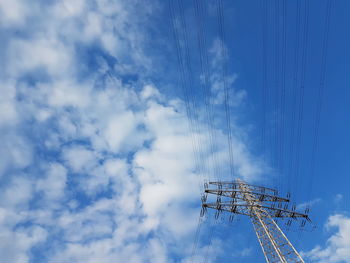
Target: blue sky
103,157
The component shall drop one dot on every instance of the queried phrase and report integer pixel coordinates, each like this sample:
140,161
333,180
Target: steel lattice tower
262,205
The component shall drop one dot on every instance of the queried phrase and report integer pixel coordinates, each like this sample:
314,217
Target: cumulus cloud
80,159
20,185
16,152
8,111
13,12
15,245
54,183
219,80
48,55
101,161
337,247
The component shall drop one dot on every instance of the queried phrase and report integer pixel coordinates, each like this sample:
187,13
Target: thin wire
204,66
183,77
301,95
264,77
294,98
283,88
226,92
277,84
271,103
196,238
212,226
320,94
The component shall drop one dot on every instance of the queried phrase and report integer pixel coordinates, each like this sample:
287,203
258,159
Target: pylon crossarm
236,184
239,194
246,209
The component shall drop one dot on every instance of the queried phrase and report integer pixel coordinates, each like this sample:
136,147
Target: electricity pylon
261,204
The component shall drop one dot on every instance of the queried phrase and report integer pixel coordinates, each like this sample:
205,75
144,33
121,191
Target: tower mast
259,203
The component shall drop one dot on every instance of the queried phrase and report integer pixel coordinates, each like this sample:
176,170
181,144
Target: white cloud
117,171
166,170
149,91
126,146
8,111
207,252
337,248
219,52
93,28
68,8
120,129
18,193
67,93
338,198
41,53
15,246
219,81
54,183
12,12
16,152
310,203
80,159
157,248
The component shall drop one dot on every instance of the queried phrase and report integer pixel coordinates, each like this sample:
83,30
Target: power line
294,96
277,85
220,15
283,87
204,66
211,232
188,103
196,238
301,95
320,92
264,75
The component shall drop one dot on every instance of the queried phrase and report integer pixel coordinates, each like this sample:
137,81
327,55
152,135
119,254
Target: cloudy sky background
97,161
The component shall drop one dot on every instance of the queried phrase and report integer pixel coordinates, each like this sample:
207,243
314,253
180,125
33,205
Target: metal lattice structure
262,205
